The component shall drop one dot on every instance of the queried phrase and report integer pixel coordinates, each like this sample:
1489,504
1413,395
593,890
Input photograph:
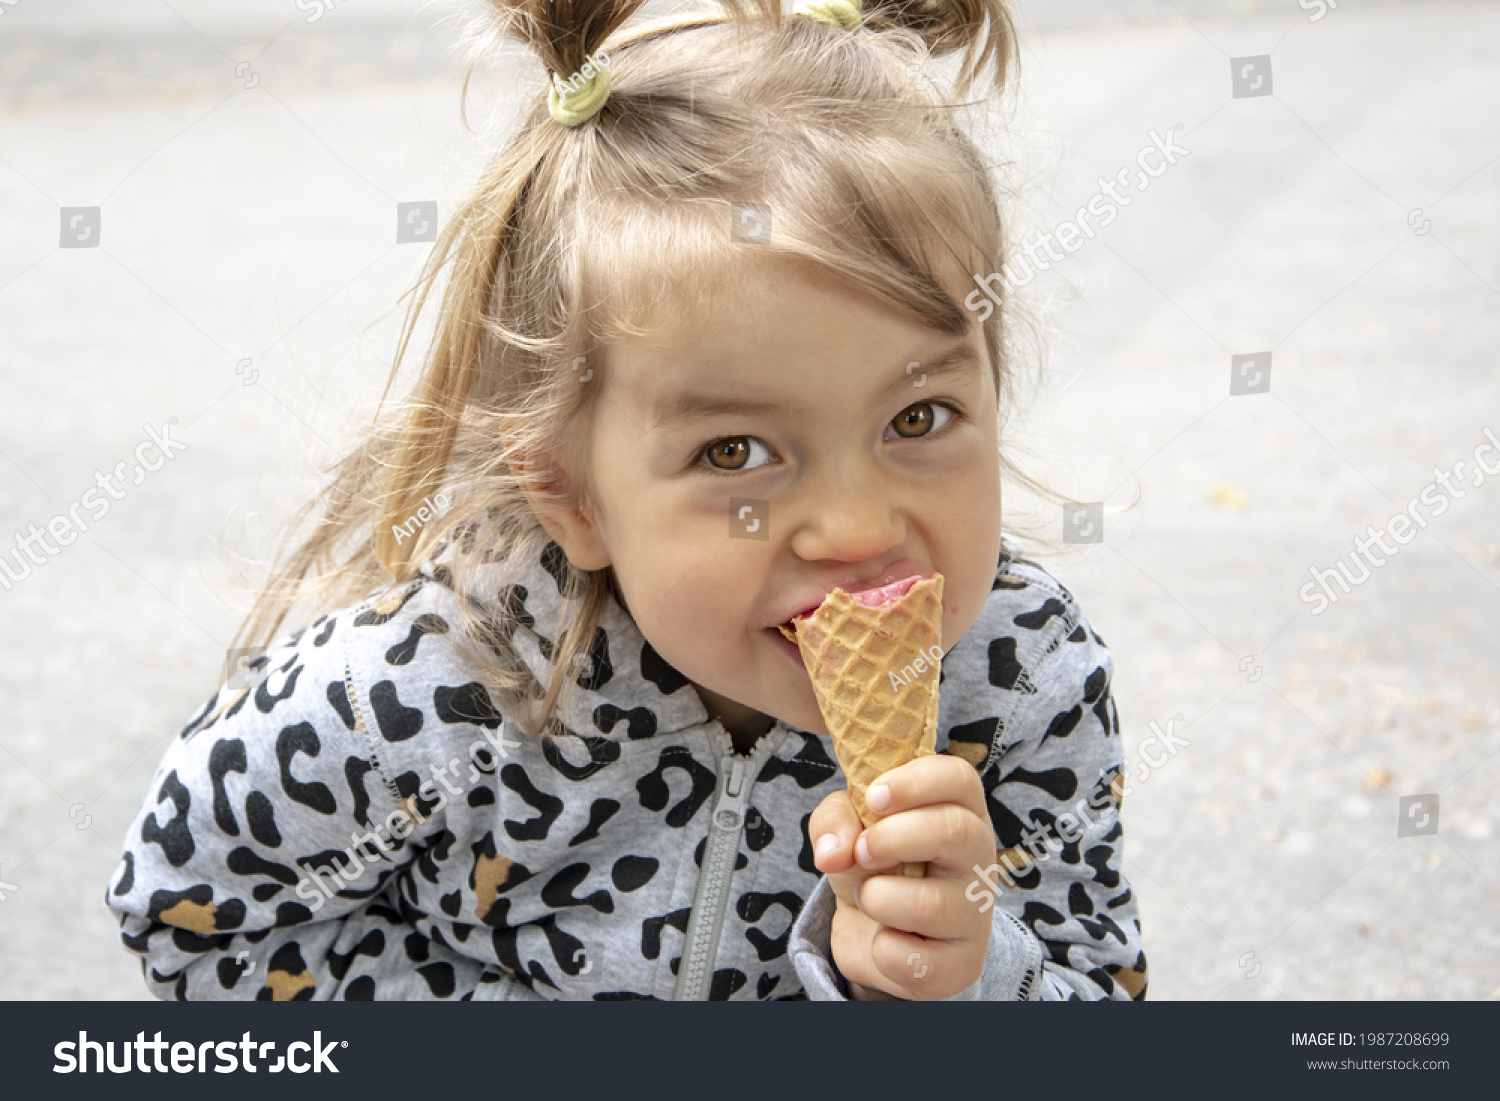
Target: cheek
965,495
685,583
688,599
697,634
967,536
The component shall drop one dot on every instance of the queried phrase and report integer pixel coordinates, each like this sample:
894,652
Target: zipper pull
729,813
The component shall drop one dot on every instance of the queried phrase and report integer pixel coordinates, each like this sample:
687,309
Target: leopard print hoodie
359,821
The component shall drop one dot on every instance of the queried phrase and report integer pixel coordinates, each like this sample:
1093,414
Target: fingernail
827,843
862,850
879,796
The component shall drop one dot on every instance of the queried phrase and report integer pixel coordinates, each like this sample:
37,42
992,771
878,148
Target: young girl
708,350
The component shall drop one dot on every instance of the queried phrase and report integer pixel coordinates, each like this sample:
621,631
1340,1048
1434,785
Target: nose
848,510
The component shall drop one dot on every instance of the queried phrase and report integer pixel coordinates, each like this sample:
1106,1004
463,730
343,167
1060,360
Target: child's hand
882,923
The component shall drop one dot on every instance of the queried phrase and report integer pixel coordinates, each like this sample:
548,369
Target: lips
890,584
886,594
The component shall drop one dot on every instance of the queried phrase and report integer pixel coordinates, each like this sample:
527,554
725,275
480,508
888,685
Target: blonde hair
574,235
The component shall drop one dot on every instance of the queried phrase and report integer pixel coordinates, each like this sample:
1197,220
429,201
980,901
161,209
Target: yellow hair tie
841,13
575,102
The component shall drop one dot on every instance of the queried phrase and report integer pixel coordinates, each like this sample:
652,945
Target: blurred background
1284,338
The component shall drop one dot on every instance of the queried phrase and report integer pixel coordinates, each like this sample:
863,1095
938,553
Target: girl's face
808,437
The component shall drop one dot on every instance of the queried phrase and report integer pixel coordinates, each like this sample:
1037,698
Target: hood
626,690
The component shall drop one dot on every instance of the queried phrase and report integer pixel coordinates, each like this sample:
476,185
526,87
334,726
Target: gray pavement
1349,224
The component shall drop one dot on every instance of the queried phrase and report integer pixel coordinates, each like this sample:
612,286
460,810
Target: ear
572,526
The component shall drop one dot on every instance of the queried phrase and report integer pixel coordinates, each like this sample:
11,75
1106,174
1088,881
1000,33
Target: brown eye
914,420
733,452
921,419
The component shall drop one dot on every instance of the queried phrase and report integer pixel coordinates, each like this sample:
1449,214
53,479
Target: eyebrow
688,406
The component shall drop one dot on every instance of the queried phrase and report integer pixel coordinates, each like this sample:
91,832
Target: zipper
735,781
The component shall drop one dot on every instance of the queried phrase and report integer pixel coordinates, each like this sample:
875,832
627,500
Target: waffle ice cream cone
874,659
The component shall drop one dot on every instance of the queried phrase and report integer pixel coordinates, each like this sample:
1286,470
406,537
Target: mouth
891,584
786,646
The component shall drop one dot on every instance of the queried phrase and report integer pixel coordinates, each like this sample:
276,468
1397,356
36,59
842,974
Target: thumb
834,818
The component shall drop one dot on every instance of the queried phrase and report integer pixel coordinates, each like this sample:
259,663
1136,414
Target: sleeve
254,870
1064,922
1012,961
1054,798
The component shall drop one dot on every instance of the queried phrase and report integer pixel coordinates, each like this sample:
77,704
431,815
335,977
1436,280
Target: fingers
936,778
836,819
952,833
924,970
950,837
881,961
929,907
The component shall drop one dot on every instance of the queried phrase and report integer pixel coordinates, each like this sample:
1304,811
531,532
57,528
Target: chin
813,724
